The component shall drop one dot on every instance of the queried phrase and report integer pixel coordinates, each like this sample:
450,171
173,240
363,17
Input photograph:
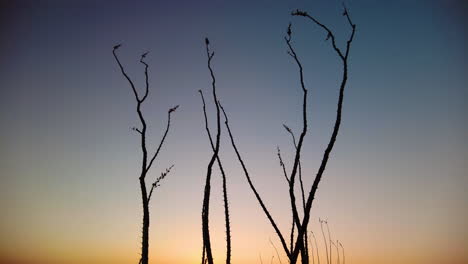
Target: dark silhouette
325,241
223,174
300,245
146,161
316,249
207,254
342,254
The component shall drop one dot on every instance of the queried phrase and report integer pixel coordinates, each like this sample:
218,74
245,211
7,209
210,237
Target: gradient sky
395,187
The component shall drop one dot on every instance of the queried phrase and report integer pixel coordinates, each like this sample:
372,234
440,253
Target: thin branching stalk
344,58
147,161
338,251
206,198
343,253
276,250
226,204
249,180
316,247
330,241
312,250
299,247
306,246
297,157
324,240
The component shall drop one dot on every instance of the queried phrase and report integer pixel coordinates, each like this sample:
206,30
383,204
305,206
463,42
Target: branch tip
173,109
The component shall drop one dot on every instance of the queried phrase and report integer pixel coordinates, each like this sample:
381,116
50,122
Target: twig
276,250
324,240
160,178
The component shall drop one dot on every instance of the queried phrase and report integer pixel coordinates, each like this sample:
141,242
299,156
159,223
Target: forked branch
336,127
206,197
223,174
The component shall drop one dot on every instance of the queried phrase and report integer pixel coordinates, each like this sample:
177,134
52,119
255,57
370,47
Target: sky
394,190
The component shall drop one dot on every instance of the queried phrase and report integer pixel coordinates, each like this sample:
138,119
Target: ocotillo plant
215,156
298,247
147,161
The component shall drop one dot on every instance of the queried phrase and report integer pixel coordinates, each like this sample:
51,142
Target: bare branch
337,251
316,247
303,133
325,241
343,254
246,173
300,168
291,243
305,252
123,71
226,204
330,240
206,198
329,32
171,110
312,247
282,164
156,183
144,167
336,127
146,75
137,130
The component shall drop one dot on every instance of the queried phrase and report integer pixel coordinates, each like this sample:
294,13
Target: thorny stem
144,167
206,198
293,54
336,127
306,246
226,205
247,176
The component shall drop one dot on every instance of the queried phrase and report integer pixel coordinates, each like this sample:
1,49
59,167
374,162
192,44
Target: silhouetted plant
343,252
316,248
276,250
330,242
324,240
301,224
147,161
215,156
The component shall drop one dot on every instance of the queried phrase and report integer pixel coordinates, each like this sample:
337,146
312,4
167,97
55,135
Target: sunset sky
395,189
